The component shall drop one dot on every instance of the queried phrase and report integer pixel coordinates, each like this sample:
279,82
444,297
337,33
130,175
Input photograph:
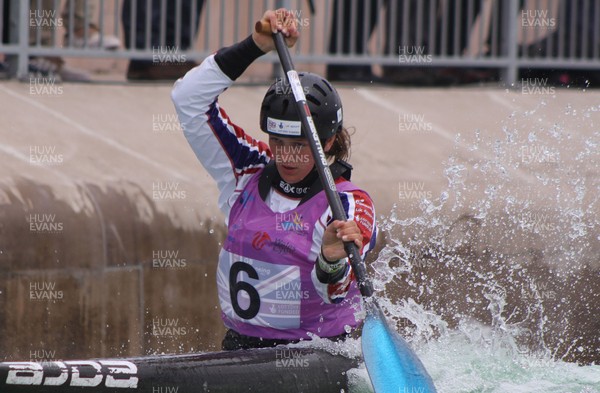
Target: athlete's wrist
326,254
330,266
327,272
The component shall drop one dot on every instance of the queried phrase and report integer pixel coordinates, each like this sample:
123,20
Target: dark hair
340,149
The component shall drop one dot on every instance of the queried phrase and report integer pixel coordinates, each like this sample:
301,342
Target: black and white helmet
278,114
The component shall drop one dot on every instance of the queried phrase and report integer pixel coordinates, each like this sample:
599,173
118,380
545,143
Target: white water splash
495,282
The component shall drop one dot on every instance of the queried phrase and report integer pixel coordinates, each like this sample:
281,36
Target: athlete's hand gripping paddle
392,365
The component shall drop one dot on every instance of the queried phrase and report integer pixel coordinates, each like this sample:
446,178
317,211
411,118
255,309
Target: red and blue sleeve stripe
246,154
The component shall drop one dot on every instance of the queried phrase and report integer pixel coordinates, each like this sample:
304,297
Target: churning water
496,281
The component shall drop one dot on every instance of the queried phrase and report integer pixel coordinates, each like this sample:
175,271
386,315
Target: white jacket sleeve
225,151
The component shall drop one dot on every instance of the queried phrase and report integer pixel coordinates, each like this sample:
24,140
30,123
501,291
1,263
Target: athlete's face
293,157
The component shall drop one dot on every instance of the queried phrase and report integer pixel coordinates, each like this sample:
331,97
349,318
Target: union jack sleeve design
359,207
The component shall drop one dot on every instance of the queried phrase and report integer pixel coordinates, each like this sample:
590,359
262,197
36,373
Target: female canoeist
283,275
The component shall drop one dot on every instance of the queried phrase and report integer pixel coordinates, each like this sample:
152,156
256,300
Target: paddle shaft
337,209
399,368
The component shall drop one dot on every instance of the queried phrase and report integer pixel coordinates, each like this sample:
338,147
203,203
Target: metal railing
505,34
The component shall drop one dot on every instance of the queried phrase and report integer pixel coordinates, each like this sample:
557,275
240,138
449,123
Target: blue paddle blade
392,365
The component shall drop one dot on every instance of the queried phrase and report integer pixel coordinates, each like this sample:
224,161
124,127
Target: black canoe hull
280,369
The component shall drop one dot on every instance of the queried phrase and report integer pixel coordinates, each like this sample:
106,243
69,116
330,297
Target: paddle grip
327,180
262,27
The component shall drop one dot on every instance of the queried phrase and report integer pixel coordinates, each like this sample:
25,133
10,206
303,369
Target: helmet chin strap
270,178
295,190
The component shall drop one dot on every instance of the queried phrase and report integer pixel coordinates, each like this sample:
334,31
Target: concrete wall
105,282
